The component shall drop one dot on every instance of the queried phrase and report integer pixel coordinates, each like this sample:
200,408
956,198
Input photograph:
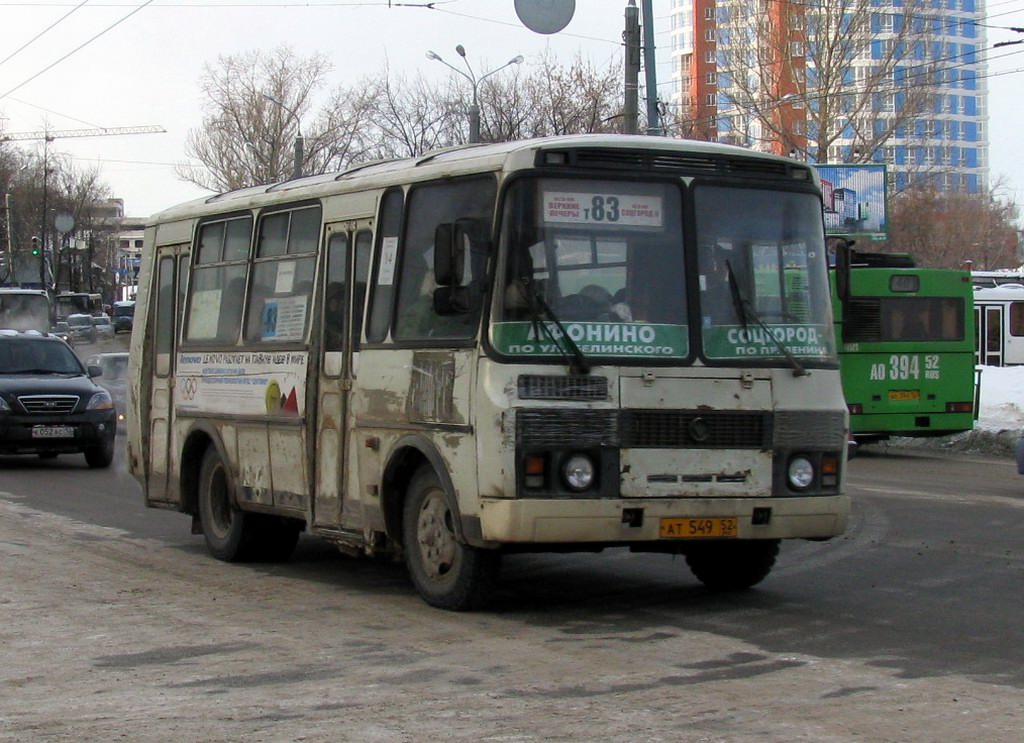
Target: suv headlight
4,407
100,401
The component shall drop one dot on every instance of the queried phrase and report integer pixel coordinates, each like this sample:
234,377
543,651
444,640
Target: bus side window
164,330
387,254
364,246
471,202
282,277
217,287
1017,319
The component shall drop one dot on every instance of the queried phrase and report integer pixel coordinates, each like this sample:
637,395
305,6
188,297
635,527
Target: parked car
82,328
63,331
49,403
104,328
114,380
124,315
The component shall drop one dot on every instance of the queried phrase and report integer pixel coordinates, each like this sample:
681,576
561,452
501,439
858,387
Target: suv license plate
53,432
724,528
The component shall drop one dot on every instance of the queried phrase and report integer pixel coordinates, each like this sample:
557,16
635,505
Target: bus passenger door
344,289
989,319
167,304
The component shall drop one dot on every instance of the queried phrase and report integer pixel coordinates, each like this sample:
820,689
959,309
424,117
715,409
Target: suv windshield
37,356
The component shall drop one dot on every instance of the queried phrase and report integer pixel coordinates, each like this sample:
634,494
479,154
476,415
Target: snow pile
1002,399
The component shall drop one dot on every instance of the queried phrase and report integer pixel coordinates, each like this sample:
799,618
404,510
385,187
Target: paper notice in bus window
202,321
388,258
285,277
612,210
284,319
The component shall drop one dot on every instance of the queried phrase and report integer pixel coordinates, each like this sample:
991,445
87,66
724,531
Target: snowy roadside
999,424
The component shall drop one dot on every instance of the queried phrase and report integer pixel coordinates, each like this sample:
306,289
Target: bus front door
348,262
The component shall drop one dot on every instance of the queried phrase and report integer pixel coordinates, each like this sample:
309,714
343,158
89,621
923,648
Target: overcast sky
145,69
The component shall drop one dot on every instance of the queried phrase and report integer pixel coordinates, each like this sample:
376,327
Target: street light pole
299,143
474,108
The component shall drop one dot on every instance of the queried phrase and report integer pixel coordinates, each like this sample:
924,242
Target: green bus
906,345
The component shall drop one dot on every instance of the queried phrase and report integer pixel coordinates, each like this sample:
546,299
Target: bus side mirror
449,253
454,300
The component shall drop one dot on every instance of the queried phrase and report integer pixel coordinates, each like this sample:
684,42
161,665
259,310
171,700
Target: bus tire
447,573
732,566
231,534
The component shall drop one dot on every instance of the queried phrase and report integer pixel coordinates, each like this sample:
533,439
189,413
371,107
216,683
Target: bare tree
247,138
828,72
945,230
574,99
404,118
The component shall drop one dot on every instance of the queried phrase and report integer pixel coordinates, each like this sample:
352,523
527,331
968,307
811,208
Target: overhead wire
42,33
78,48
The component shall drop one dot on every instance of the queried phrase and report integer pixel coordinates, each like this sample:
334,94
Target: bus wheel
229,532
732,566
447,573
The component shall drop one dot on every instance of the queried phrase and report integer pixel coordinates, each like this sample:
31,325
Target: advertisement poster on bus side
271,383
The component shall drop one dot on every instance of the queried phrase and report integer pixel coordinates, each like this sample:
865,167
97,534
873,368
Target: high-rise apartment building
900,82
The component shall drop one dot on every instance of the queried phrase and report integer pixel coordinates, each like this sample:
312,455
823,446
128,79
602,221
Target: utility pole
631,37
43,230
650,71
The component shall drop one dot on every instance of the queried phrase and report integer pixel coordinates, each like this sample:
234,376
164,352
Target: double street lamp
474,109
297,167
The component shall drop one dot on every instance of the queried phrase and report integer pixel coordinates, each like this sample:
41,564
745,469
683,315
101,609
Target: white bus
25,309
999,325
561,344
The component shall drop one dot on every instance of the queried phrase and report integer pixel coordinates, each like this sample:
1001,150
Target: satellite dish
545,16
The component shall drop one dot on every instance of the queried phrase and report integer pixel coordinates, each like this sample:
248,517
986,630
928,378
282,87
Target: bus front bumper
564,521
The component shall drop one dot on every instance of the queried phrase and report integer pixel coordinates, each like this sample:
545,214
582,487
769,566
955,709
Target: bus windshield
25,310
603,263
763,277
605,258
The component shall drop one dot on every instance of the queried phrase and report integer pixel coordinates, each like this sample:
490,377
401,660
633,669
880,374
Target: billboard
854,198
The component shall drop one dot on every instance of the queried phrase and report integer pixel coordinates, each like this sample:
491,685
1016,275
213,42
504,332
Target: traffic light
35,246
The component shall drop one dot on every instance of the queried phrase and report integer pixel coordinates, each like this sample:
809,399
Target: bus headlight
801,473
578,472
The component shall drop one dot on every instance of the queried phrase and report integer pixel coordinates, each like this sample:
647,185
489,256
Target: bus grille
49,404
538,387
810,430
644,429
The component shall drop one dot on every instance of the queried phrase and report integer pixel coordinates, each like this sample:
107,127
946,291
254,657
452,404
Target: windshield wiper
744,309
577,361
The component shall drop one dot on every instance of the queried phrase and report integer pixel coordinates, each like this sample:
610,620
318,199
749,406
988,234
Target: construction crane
48,135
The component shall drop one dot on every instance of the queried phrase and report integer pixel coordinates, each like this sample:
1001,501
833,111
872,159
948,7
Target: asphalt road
906,628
